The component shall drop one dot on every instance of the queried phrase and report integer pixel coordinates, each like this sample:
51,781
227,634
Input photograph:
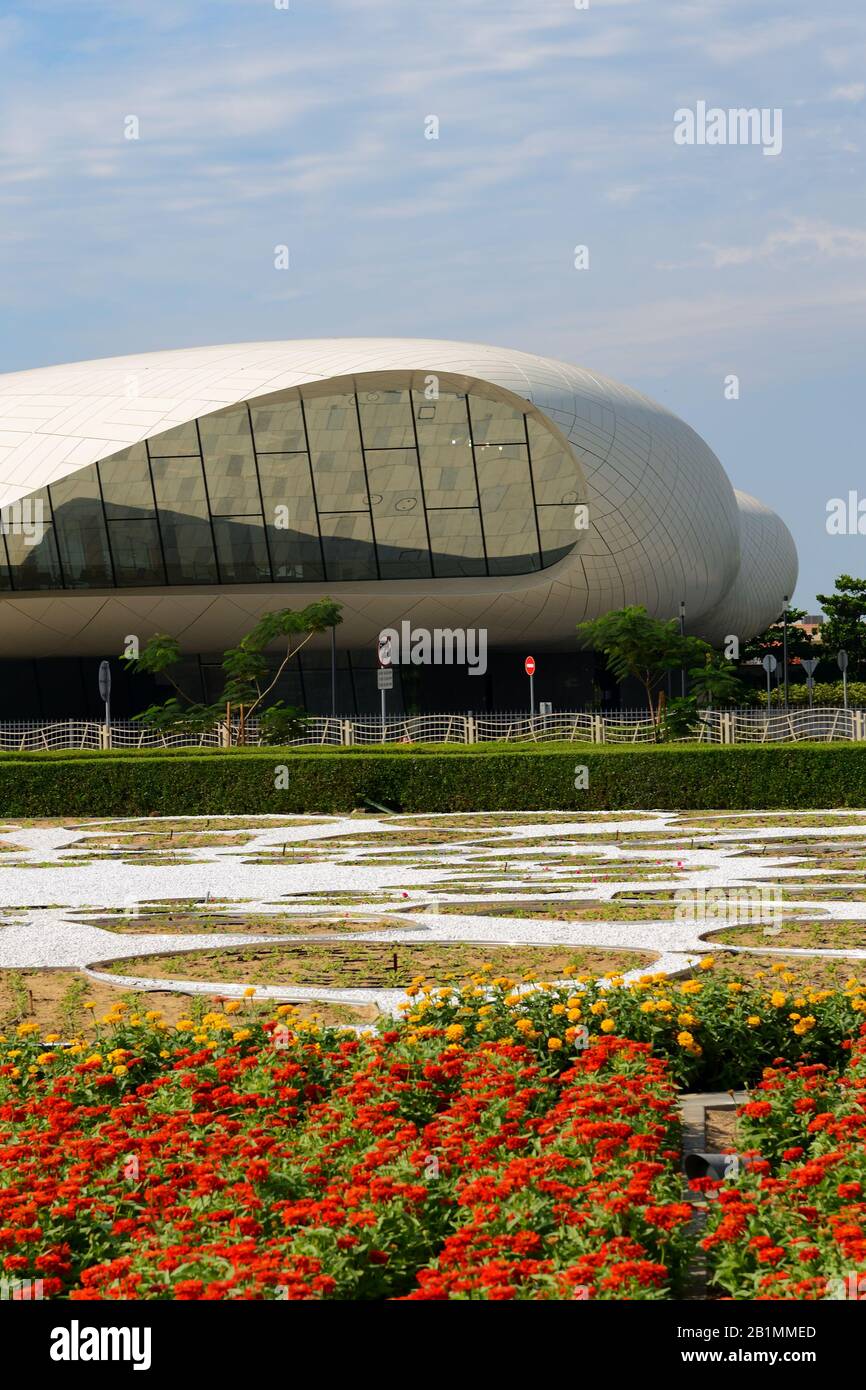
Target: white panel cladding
664,520
767,575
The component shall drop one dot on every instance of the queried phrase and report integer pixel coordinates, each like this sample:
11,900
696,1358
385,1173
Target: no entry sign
529,666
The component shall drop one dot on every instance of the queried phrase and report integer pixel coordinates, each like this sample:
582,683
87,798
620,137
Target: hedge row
824,693
501,778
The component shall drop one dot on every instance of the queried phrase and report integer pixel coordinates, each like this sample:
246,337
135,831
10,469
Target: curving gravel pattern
49,880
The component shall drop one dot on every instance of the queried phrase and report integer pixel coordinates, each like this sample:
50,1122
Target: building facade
450,485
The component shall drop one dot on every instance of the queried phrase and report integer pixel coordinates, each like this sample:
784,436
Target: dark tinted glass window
390,482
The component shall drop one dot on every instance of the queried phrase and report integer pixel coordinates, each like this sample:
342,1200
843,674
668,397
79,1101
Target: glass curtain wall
308,487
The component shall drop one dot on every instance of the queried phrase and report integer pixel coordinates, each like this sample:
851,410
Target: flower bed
285,1162
714,1030
793,1225
502,1141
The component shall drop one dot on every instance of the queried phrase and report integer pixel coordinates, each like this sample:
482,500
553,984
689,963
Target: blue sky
306,127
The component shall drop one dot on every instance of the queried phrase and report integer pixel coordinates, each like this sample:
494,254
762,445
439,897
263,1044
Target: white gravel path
49,932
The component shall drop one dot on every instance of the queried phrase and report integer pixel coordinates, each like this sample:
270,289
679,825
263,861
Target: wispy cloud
803,239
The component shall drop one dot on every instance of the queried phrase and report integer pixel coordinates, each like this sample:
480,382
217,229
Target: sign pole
809,667
385,676
842,663
529,668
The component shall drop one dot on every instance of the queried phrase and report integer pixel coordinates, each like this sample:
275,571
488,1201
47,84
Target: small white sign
385,678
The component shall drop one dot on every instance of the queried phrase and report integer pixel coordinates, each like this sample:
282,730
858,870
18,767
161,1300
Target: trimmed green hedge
480,778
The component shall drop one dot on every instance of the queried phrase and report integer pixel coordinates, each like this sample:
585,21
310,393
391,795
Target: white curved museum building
448,484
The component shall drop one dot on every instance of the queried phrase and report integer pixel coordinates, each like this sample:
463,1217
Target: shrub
823,693
433,778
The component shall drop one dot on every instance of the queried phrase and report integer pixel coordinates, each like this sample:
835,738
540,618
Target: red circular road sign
529,666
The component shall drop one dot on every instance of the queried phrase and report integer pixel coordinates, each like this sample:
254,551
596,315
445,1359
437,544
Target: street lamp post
333,672
785,648
682,634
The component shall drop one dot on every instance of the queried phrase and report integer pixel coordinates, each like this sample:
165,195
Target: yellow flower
607,1025
599,1007
735,987
685,1039
51,1037
753,1021
232,1007
524,1025
554,1044
249,991
454,1031
686,1019
120,1070
777,998
706,963
558,1009
183,1024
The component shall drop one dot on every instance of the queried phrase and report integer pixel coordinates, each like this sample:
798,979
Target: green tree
249,675
714,682
844,628
800,642
642,647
